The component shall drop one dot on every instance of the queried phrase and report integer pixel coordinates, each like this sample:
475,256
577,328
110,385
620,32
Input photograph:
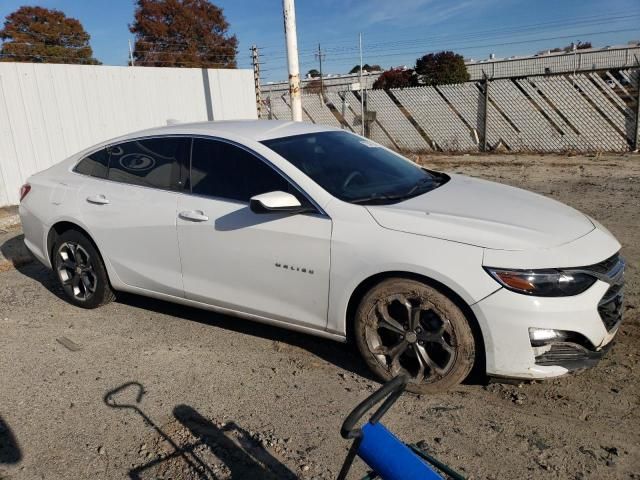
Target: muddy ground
229,398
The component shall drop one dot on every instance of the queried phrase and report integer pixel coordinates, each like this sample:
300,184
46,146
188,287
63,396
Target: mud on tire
405,326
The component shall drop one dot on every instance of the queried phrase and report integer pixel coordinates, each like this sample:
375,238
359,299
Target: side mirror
275,202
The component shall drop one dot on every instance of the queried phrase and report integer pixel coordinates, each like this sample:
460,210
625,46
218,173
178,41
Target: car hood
486,214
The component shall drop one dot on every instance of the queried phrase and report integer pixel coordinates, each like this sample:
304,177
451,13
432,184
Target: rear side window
219,169
153,162
94,165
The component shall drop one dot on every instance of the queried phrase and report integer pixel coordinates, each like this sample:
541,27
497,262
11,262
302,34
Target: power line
382,54
395,46
345,59
493,33
520,42
563,23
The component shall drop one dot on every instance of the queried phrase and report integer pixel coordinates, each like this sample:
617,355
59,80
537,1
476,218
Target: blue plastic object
389,457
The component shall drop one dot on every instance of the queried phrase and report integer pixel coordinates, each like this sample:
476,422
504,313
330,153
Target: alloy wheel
76,271
409,335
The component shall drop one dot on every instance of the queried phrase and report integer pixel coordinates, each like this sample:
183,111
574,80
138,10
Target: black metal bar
395,386
636,145
437,463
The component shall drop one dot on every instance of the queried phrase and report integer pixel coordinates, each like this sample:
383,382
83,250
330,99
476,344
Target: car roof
257,130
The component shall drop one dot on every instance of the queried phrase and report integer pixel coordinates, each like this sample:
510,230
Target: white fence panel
49,112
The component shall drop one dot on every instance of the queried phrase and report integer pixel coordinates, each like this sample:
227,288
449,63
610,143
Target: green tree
366,68
313,73
41,35
396,78
578,46
182,33
441,68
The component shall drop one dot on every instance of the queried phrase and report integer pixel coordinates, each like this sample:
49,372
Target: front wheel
406,327
80,271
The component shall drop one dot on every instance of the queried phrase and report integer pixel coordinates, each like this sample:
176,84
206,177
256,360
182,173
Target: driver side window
223,170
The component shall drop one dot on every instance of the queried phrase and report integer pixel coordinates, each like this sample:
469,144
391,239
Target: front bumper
570,355
505,318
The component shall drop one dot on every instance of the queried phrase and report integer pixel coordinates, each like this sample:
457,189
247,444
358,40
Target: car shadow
244,218
241,455
16,256
342,355
10,452
14,251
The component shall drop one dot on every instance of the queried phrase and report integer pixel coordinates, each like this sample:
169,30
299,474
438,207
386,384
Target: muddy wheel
406,327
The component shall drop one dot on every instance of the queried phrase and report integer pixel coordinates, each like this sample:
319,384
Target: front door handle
98,200
193,215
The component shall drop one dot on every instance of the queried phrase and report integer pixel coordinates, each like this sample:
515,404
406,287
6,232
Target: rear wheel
406,327
80,271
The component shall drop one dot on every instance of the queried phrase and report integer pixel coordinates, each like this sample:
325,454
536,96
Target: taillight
24,191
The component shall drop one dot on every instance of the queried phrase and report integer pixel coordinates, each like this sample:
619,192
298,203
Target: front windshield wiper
382,198
430,182
373,198
421,182
378,198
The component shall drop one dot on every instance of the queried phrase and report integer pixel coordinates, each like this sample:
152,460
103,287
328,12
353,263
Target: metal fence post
367,114
344,111
636,145
485,113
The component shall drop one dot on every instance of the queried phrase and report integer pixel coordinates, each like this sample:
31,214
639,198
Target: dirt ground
225,398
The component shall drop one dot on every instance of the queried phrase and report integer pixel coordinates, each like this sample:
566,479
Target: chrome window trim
106,146
320,210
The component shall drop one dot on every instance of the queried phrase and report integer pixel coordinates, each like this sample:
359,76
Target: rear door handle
193,215
98,200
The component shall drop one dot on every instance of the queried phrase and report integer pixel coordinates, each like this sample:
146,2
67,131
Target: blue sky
395,32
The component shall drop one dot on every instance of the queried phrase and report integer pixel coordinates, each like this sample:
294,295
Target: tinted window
153,162
355,169
219,169
95,164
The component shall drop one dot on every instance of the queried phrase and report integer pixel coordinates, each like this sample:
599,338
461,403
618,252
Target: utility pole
255,60
361,93
574,48
289,12
131,62
320,56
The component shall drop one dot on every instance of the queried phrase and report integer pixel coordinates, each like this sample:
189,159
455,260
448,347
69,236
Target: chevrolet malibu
325,232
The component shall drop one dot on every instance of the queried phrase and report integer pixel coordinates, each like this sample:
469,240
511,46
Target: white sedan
324,232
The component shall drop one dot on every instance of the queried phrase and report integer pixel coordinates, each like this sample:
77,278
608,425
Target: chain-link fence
587,112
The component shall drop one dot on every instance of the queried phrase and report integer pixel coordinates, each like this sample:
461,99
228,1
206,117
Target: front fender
377,251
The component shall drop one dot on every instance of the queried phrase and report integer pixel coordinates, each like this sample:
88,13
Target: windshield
354,169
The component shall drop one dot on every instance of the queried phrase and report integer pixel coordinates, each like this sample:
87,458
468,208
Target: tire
404,326
80,271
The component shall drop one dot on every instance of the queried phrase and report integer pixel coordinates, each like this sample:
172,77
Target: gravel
218,397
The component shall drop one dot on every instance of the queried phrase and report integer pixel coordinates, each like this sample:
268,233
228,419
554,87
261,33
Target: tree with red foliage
182,33
396,78
42,35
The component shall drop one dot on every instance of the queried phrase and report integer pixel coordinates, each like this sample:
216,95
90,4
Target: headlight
543,283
